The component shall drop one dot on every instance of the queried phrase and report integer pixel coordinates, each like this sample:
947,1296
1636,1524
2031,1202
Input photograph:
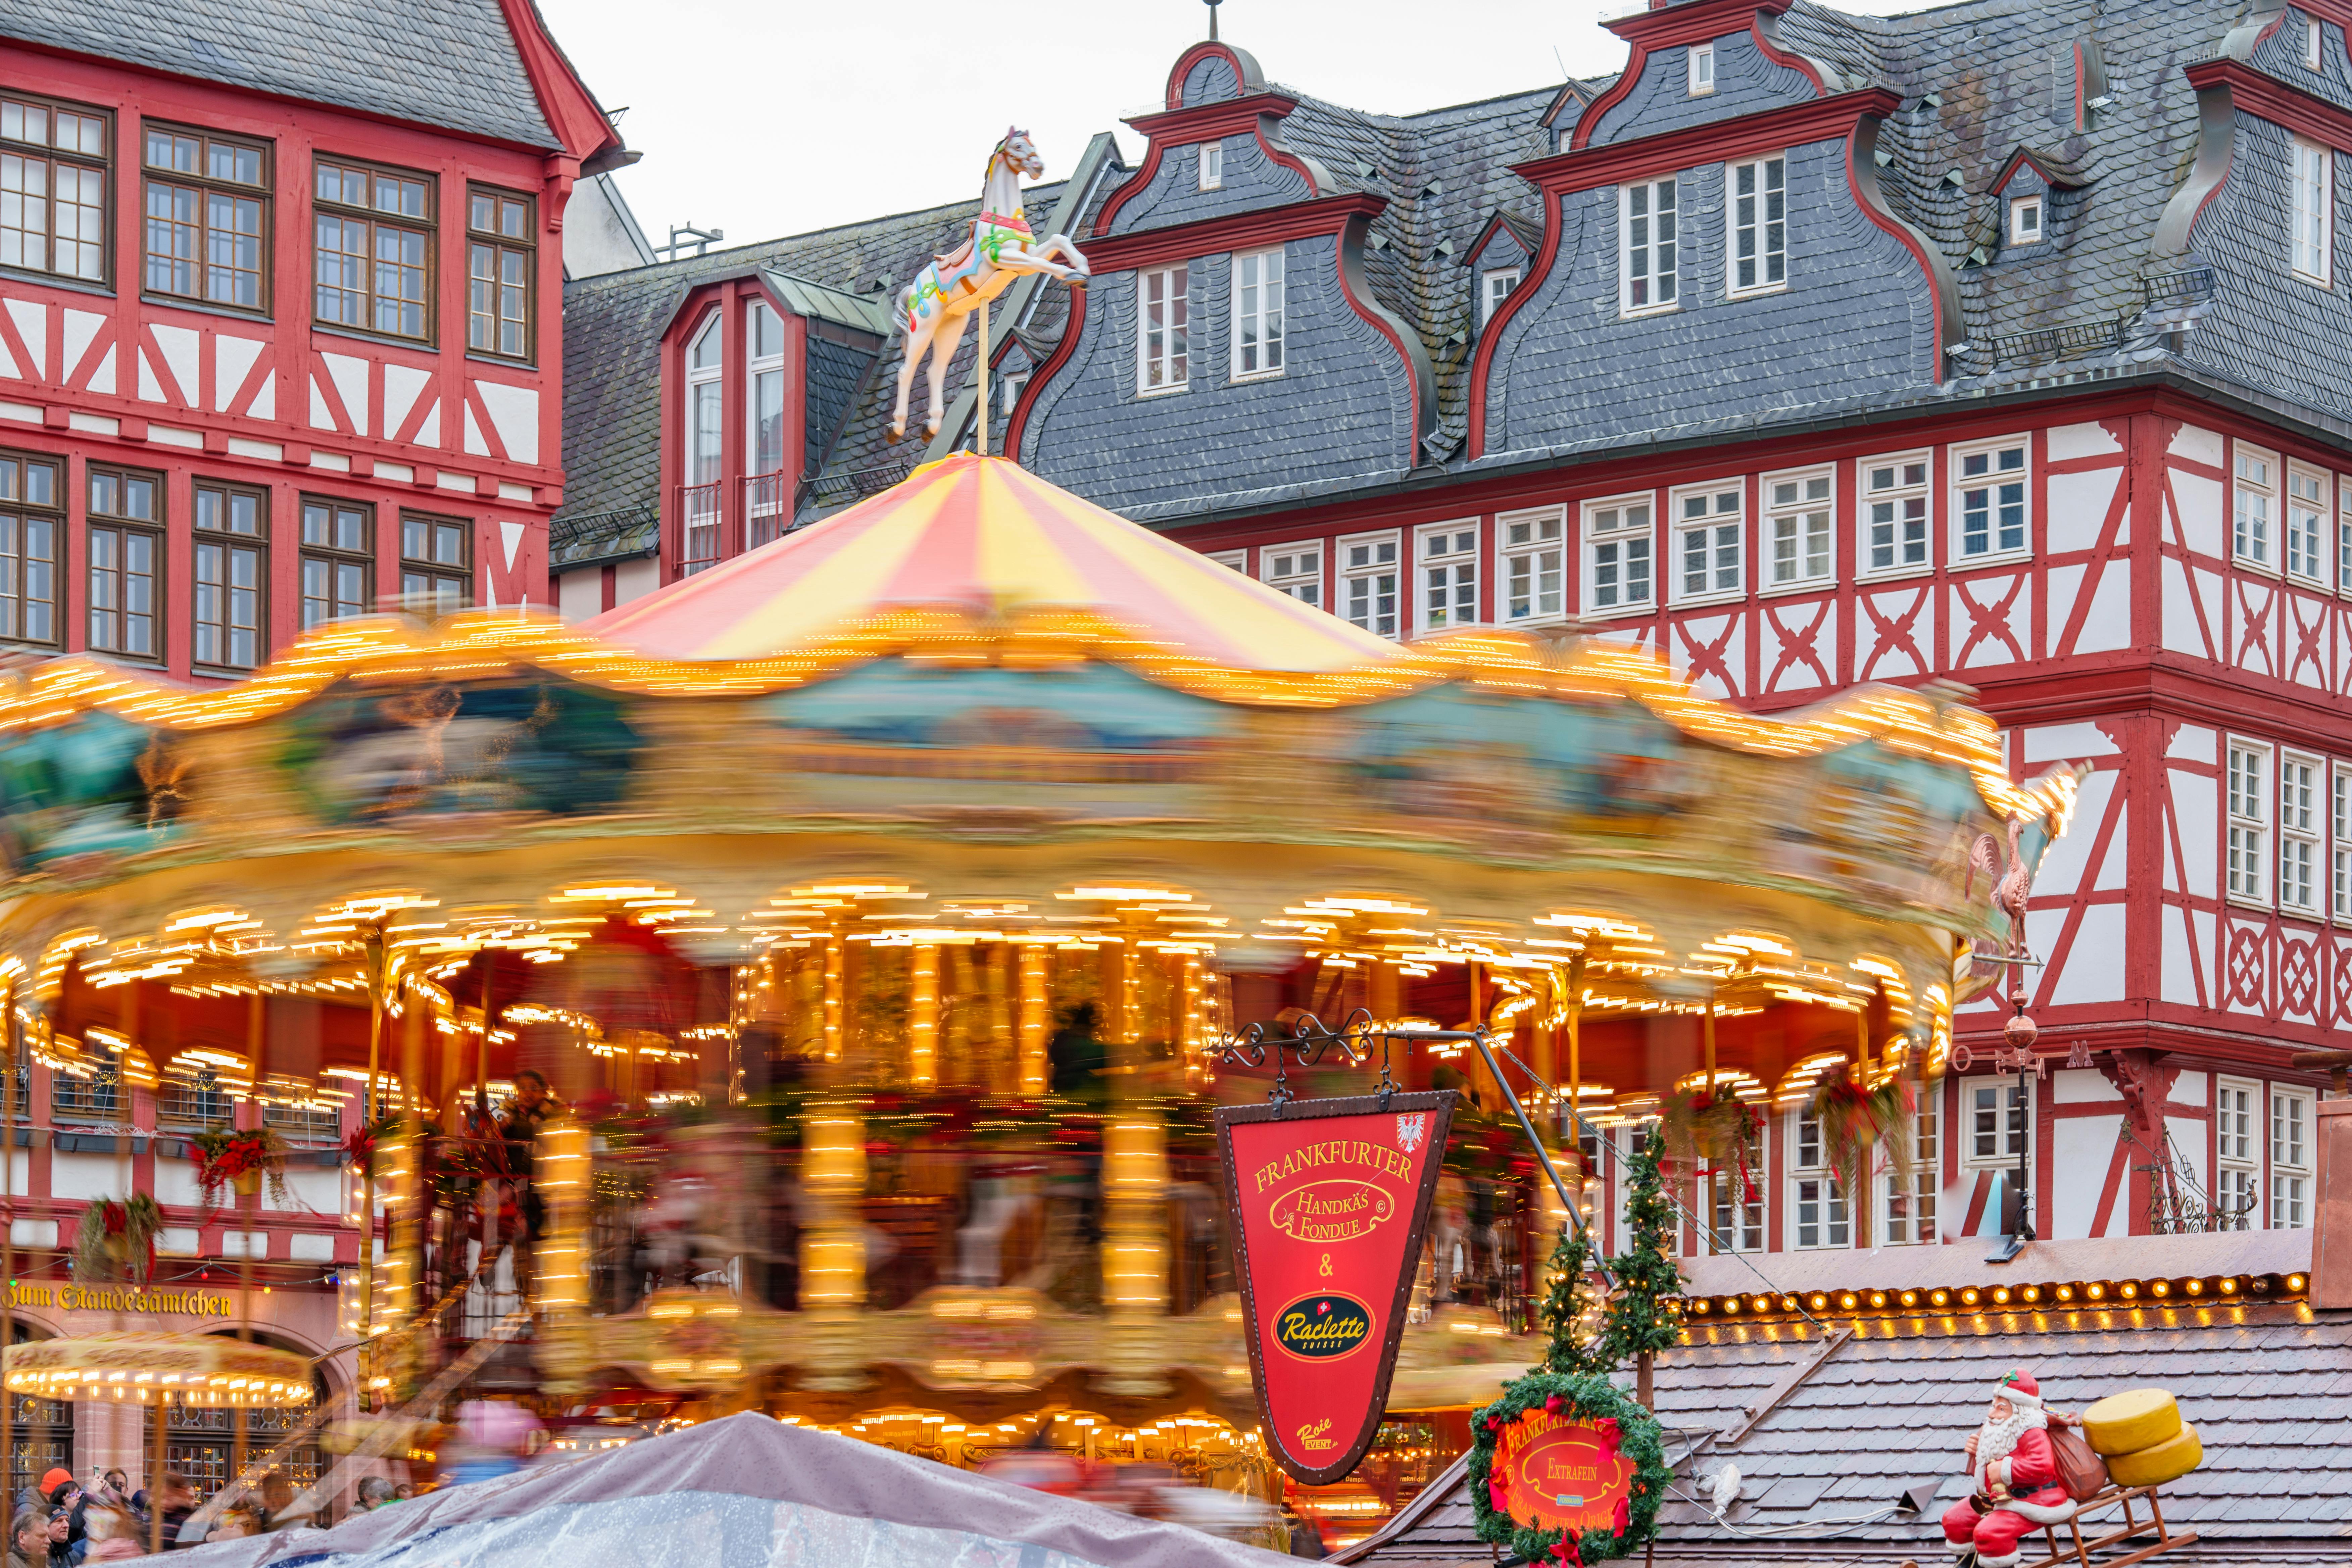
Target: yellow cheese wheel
2167,1461
2127,1423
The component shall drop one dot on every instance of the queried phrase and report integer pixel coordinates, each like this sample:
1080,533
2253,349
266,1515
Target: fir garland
1591,1399
1641,1318
1566,1299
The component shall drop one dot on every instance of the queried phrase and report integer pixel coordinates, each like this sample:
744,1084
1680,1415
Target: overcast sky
765,119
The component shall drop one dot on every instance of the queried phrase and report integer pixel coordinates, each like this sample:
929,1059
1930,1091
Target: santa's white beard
1997,1439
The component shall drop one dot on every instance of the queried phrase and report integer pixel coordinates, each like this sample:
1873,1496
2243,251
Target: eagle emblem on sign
1411,1130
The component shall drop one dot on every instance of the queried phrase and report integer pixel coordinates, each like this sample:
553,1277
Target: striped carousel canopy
982,533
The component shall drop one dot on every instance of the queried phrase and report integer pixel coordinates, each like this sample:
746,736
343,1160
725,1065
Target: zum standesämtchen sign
120,1298
1330,1201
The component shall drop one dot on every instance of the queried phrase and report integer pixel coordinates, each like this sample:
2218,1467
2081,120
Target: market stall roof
744,1492
982,533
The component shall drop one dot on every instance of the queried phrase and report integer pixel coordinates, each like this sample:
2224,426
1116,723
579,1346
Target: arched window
706,355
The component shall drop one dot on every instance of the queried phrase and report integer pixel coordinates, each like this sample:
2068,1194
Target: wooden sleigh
2079,1549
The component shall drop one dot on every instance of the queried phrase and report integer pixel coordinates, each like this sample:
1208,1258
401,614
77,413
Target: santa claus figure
2016,1476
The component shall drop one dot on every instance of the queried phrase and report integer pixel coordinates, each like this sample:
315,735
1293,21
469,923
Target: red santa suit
2015,1455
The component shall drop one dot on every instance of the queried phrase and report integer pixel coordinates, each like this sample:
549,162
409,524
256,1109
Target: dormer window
1495,285
2311,45
706,357
1212,165
2025,220
1701,69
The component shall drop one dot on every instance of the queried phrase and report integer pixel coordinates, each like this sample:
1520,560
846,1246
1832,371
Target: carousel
803,989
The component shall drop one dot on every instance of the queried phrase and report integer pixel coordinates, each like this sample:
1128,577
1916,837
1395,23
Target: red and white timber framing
2125,635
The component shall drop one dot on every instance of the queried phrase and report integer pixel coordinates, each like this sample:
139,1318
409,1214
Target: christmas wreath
240,1159
1599,1402
117,1240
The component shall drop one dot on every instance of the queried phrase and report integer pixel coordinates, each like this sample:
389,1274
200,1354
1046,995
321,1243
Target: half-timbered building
1995,344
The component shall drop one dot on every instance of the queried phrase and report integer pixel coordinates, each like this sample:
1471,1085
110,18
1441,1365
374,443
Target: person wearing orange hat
52,1479
2016,1474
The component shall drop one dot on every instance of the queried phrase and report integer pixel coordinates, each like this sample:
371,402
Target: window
2314,193
1736,1224
765,495
195,1100
207,206
2298,825
1707,533
1821,1209
2256,493
53,164
1162,327
375,230
2025,220
437,560
1449,576
1646,256
2339,869
1895,517
501,236
2290,1159
2238,1154
94,1098
1495,286
1997,1115
2249,828
1759,226
2343,534
1296,570
1911,1208
1236,559
1212,165
126,561
1257,313
2306,507
231,543
338,558
1702,69
1617,553
32,522
1368,584
1798,524
706,440
1991,495
2311,45
1534,559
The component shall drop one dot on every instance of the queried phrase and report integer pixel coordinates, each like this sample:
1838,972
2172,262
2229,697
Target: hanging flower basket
1608,1433
1718,1129
239,1161
1855,1120
117,1240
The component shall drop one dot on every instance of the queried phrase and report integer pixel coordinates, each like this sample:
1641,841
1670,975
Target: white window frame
2306,524
1758,222
2344,533
1811,512
702,529
1992,482
2339,845
1720,534
2240,1125
1909,1218
2253,508
1748,1230
755,365
1495,286
1531,555
1259,304
1163,366
1277,568
1445,560
1238,559
1699,68
2302,827
2025,208
2246,797
1621,562
1211,174
1375,563
1813,1190
2009,1126
1659,281
2310,185
2292,1128
2311,43
1889,506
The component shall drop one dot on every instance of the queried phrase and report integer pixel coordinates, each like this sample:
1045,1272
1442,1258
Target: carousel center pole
372,966
8,1265
482,1106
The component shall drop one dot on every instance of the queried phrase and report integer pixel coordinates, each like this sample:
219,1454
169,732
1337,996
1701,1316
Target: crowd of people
63,1522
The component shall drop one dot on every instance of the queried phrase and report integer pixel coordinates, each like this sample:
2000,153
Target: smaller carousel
802,989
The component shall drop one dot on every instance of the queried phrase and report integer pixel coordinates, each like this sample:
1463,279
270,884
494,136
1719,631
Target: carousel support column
1714,1164
837,959
371,969
482,1108
1135,1217
256,1052
923,1016
8,1259
1858,1203
408,1198
833,1245
560,1283
1032,1019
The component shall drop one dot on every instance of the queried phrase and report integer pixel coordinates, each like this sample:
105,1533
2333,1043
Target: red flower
1624,1516
1566,1550
1494,1496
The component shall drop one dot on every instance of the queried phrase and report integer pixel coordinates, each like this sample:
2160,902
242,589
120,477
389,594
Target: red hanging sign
1554,1473
1330,1202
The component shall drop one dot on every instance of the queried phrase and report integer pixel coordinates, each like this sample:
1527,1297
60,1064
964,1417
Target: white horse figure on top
932,308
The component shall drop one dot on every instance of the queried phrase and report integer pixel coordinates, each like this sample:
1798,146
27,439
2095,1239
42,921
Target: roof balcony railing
767,508
701,520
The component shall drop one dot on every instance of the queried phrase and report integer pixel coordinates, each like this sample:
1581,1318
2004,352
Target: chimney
2331,1233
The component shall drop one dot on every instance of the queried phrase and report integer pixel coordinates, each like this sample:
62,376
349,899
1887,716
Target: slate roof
450,63
2265,1385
